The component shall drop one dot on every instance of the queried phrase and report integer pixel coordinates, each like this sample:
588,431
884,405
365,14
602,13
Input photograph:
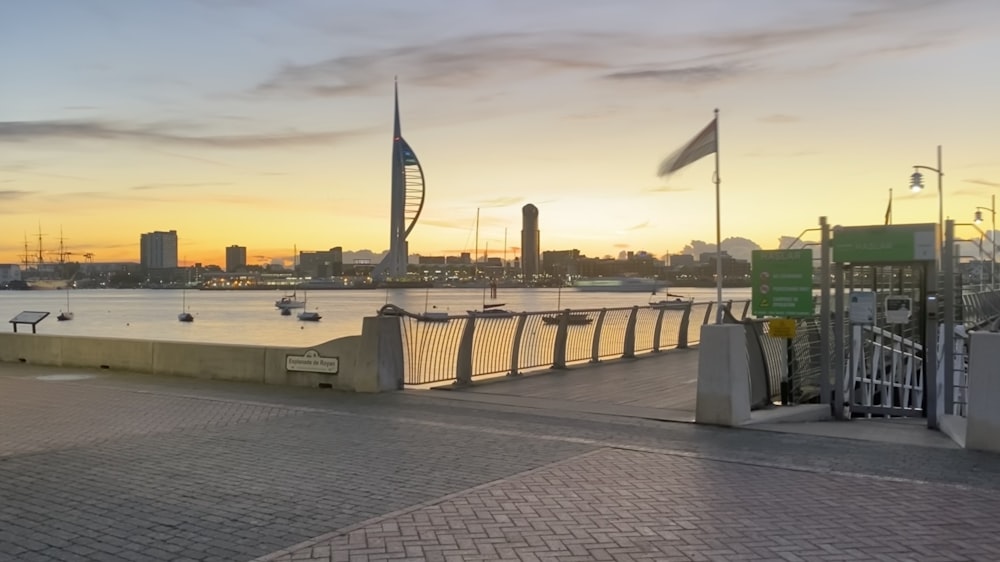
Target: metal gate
885,319
886,357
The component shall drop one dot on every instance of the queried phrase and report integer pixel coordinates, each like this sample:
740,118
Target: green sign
782,282
885,244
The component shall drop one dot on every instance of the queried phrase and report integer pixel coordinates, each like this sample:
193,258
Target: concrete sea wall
360,365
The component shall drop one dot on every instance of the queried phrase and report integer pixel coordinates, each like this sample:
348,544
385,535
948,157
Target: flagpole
718,228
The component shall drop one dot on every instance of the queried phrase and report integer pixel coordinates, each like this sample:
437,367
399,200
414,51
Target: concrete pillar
983,420
723,376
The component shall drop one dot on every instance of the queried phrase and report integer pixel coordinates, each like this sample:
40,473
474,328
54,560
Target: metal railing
475,345
980,312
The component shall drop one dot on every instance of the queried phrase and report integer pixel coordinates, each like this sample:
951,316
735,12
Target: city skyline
271,127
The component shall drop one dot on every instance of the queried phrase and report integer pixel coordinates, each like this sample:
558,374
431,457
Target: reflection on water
249,317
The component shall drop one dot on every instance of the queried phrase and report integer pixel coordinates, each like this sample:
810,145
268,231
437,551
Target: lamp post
993,232
917,183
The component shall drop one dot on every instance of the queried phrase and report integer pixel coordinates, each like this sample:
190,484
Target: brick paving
125,467
630,505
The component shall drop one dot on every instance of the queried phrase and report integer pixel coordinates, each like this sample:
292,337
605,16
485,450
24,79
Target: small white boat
434,317
289,302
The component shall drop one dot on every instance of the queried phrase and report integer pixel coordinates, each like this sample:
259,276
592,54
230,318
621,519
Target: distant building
530,242
681,260
9,272
560,263
158,250
322,264
236,258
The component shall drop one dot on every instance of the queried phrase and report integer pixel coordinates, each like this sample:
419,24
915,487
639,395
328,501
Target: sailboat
572,319
306,315
289,302
66,314
492,309
432,316
185,316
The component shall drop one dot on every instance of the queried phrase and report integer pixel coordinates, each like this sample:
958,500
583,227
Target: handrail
465,346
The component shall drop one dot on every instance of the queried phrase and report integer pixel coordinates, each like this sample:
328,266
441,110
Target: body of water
249,317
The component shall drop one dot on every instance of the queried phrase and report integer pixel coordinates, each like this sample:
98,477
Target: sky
268,124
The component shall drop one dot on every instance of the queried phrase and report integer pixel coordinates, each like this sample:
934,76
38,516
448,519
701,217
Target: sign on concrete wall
885,244
781,283
312,362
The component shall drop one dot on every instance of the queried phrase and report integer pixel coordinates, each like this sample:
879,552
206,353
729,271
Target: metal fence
476,345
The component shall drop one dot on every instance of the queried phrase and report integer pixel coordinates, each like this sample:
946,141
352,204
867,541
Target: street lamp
993,232
917,183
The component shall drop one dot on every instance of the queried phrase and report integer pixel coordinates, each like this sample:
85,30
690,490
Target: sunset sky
268,124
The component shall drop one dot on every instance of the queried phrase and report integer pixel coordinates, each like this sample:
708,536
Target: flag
888,210
705,143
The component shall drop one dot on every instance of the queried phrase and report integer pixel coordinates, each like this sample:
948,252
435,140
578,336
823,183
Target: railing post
463,366
515,349
628,349
708,314
839,374
658,330
595,347
824,313
746,310
682,337
948,349
562,333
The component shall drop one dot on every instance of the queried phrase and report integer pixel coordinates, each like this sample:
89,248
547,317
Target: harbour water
249,317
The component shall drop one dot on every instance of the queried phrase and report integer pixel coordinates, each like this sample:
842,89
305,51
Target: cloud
27,131
446,62
442,223
150,186
796,154
494,57
639,226
14,194
684,74
987,183
667,189
500,201
779,118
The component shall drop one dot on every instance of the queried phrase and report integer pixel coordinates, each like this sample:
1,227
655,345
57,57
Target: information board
782,282
862,308
892,243
898,309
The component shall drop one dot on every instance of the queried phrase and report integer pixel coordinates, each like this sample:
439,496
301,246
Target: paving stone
207,471
629,505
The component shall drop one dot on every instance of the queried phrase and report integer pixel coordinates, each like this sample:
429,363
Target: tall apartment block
236,258
158,250
530,244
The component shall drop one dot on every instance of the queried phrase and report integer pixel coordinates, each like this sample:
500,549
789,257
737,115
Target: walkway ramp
660,386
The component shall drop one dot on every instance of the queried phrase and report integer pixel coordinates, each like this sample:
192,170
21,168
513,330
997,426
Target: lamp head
979,217
916,182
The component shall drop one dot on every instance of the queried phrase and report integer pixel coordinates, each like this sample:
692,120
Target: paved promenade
119,467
